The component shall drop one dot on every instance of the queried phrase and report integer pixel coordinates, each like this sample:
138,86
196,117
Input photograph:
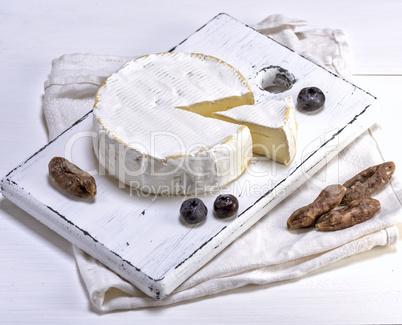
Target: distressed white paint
141,237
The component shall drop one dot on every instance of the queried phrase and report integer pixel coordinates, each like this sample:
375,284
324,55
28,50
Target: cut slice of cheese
272,124
149,136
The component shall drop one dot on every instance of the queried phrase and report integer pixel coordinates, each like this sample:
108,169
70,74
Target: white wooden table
39,281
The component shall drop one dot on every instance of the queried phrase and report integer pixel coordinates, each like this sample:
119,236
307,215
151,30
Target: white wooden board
141,236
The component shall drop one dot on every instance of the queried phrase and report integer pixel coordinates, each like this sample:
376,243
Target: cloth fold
267,252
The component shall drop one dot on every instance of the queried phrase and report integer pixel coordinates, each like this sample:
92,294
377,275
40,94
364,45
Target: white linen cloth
267,252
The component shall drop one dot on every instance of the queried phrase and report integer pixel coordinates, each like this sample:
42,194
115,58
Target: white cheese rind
272,124
147,143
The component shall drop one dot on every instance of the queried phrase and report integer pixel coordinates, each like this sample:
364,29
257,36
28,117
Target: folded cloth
327,47
267,252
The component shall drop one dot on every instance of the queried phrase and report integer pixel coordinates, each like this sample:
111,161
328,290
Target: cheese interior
272,124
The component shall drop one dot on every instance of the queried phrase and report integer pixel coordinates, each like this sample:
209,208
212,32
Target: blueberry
310,99
193,210
226,206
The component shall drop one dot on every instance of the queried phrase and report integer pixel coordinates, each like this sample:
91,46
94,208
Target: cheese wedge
272,124
149,135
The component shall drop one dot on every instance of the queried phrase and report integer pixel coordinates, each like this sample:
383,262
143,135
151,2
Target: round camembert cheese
153,126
